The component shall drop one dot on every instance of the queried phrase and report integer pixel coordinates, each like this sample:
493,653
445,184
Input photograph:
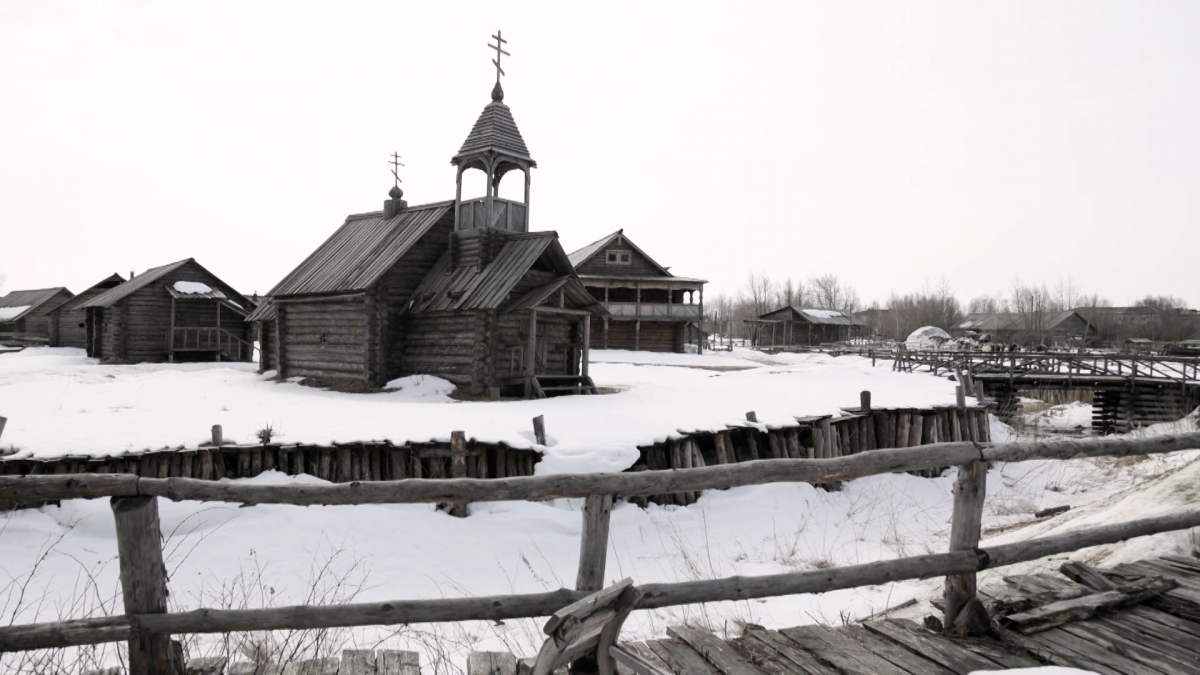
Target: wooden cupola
494,147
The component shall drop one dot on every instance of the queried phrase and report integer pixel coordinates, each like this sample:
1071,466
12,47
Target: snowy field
61,561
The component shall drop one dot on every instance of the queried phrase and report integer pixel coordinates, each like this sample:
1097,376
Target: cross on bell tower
494,146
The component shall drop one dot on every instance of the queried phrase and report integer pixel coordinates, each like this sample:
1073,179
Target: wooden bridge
1129,391
969,634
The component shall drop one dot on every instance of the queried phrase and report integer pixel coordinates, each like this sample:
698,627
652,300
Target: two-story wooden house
649,308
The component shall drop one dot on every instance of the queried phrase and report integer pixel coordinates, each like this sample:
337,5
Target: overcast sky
890,144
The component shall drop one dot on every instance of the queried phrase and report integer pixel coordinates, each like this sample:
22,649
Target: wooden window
617,257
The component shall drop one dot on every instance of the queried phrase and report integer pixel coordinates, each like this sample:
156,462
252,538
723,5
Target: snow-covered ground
61,561
59,402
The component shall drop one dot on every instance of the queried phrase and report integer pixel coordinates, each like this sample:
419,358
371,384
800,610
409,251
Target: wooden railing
200,338
1179,369
148,626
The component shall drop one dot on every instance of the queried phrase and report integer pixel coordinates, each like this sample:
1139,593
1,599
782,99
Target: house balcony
653,311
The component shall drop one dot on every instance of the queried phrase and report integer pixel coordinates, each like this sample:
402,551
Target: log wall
655,336
441,344
324,338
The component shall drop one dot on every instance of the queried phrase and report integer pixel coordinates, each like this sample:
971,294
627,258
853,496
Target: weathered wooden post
593,542
979,392
539,429
144,583
960,397
750,417
969,491
864,405
217,437
4,420
458,467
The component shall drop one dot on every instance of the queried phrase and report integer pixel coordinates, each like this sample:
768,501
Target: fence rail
208,338
1185,369
148,627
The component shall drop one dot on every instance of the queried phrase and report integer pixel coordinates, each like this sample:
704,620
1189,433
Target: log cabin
177,312
796,327
23,314
649,308
68,321
459,289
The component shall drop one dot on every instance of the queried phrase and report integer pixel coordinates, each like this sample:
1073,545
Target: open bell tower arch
495,147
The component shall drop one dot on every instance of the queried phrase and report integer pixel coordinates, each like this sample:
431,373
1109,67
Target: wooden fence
147,626
861,429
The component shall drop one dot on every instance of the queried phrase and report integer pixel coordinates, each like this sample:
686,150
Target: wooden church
459,289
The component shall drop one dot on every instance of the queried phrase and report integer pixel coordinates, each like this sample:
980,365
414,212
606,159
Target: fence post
458,467
539,429
144,583
864,402
969,493
217,434
593,543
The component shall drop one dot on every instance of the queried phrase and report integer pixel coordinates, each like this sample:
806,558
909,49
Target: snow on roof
10,313
192,287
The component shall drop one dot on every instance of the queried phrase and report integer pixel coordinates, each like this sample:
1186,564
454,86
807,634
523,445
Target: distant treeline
1161,318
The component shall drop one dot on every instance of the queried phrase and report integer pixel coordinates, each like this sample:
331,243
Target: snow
926,337
119,409
825,313
192,287
1067,417
219,555
9,313
1041,670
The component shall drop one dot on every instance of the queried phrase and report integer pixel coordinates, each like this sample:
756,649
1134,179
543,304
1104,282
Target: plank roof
30,299
588,252
264,312
118,293
361,251
495,130
576,295
449,288
826,317
99,287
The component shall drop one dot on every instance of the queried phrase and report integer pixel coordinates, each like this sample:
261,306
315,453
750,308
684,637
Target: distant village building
68,321
796,326
177,312
649,308
458,289
24,314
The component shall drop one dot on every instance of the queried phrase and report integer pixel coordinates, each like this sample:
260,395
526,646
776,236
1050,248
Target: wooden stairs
548,386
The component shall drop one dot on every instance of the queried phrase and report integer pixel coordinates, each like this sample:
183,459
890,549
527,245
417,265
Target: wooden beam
144,583
593,543
969,492
585,358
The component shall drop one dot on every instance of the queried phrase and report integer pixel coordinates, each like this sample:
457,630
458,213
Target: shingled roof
495,130
361,250
76,302
135,284
584,254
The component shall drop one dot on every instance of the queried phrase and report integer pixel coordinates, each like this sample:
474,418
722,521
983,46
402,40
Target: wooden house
796,326
68,321
1068,328
649,308
458,289
177,312
24,314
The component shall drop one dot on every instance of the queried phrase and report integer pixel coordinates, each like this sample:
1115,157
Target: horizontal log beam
110,629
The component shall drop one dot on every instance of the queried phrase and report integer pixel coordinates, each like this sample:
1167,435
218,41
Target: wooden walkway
1095,622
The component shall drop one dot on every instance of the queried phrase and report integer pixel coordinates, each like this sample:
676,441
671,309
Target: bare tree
829,292
760,292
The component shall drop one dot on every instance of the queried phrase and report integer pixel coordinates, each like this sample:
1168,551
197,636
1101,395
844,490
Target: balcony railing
506,215
654,310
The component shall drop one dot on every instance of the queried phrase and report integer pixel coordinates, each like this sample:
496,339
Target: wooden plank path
1158,635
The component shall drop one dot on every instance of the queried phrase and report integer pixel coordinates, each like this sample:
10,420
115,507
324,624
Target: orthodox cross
499,47
395,166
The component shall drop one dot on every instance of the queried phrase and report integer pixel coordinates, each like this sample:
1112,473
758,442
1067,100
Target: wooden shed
796,326
649,308
177,312
459,289
68,321
24,314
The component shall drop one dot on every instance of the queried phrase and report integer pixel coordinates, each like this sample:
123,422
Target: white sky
889,144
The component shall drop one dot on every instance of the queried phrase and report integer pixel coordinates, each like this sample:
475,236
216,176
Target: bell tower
494,147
